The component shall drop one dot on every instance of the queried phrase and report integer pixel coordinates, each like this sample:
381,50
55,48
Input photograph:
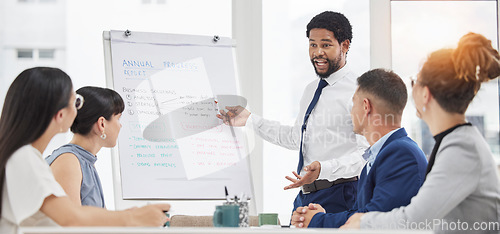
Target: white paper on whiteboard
205,145
171,145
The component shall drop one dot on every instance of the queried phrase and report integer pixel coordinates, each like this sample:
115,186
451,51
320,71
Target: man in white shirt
323,132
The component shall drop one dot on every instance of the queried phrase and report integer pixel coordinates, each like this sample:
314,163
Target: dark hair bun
98,102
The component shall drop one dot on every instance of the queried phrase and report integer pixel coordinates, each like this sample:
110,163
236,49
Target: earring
103,136
423,109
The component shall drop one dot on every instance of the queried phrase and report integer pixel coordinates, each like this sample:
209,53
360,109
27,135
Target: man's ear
367,106
345,46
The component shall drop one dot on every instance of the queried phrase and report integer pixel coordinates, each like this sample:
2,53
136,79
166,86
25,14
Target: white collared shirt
329,136
373,151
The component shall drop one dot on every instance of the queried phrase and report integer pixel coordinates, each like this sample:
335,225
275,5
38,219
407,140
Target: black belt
323,184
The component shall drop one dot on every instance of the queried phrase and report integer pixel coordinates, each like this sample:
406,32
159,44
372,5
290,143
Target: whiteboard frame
180,206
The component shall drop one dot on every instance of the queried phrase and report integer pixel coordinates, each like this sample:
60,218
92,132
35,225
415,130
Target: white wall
30,25
247,31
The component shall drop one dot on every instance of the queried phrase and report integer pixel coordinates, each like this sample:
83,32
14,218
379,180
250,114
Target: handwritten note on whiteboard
171,145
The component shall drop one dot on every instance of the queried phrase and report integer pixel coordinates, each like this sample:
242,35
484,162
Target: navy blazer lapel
396,135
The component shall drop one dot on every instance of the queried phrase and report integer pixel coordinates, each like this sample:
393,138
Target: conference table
204,230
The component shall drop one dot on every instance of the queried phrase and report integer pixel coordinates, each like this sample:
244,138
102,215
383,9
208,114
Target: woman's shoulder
65,149
27,149
68,148
26,152
26,158
464,135
466,141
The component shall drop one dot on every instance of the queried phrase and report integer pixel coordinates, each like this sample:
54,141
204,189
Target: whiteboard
171,145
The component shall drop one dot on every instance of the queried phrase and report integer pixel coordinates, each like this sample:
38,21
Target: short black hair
97,102
387,86
334,22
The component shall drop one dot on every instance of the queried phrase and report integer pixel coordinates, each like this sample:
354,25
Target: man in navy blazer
395,167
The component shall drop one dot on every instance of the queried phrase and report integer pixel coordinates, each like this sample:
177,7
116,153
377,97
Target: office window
146,1
161,1
25,53
421,27
46,53
36,53
287,70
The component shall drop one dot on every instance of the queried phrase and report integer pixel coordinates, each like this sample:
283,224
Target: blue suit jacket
395,177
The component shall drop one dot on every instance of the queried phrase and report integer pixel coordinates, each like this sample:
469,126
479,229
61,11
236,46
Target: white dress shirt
329,136
28,181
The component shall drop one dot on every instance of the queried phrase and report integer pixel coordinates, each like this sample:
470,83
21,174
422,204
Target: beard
333,66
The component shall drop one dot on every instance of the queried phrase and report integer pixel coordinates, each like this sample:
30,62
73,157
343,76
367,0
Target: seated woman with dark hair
41,103
96,125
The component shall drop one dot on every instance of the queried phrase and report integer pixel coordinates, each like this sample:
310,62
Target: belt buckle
303,191
311,187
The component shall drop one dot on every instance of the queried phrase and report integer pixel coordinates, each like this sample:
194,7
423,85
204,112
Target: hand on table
150,215
302,216
354,222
